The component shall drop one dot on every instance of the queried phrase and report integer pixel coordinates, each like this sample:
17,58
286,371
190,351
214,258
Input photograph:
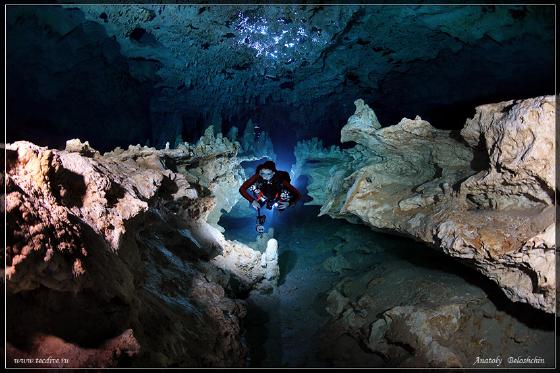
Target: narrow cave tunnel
419,140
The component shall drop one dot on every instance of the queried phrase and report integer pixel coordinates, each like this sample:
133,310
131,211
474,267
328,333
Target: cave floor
290,327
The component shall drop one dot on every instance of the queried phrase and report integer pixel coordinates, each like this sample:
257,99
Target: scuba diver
271,188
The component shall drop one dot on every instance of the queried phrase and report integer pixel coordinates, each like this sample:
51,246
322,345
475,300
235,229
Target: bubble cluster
281,40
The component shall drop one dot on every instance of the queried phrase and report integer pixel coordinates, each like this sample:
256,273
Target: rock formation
269,261
429,334
110,258
218,165
486,199
253,146
404,305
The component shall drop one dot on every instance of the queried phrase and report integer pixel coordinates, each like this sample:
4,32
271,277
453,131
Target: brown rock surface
110,260
487,201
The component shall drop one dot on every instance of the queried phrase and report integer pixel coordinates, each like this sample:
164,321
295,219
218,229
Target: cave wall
67,78
168,71
111,260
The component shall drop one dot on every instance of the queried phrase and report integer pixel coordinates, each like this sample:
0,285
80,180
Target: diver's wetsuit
271,189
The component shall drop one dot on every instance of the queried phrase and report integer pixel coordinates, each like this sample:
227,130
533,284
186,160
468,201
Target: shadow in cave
81,319
69,188
87,318
256,332
240,229
481,159
97,87
286,261
451,116
320,304
301,184
429,258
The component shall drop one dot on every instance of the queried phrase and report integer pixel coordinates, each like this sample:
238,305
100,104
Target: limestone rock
413,319
323,161
58,353
518,138
336,264
255,145
363,123
336,303
75,145
125,234
269,261
424,332
489,208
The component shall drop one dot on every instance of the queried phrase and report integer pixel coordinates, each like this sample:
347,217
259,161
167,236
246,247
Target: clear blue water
289,327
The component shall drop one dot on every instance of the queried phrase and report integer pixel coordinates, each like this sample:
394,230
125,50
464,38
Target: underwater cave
280,186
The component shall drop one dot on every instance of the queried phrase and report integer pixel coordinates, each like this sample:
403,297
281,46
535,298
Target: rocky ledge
111,260
484,196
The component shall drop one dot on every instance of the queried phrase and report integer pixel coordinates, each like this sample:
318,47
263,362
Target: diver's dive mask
266,174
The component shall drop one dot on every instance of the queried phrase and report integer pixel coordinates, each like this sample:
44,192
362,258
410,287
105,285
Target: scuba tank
259,195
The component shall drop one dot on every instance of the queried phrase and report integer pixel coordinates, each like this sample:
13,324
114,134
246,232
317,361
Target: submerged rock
411,314
363,122
75,145
336,264
254,145
490,206
269,261
518,138
425,332
103,244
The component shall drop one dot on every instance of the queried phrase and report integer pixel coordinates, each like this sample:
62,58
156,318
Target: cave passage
292,326
153,114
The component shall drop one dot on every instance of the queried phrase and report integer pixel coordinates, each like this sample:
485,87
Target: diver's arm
243,189
296,194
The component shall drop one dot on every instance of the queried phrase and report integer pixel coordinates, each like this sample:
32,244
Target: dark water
286,328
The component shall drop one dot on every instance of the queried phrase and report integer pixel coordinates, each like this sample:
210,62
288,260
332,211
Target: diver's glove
255,204
282,205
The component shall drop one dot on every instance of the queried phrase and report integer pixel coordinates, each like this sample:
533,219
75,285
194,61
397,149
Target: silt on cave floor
336,277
